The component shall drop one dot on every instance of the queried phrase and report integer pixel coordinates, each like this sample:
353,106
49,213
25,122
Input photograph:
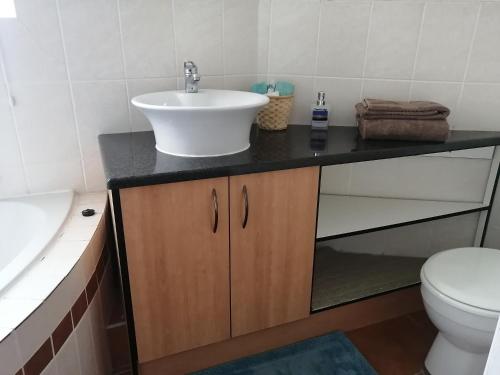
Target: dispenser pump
321,98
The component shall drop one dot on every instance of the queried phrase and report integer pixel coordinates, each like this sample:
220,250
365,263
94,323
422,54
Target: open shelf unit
341,277
342,215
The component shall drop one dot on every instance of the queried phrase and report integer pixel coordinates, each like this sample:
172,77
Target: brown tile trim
40,359
61,333
79,307
91,287
37,363
101,265
103,262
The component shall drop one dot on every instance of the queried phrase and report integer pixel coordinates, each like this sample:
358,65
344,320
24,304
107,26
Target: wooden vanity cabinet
178,264
272,252
218,258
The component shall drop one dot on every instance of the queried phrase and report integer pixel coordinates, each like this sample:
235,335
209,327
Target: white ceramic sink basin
206,123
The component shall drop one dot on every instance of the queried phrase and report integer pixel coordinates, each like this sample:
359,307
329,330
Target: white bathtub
27,225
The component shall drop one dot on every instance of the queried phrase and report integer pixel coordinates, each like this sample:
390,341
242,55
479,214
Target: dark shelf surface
130,159
341,277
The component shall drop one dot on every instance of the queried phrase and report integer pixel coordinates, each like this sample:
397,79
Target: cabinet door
272,253
178,264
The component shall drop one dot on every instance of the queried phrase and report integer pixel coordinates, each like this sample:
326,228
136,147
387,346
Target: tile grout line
316,62
78,353
18,350
92,328
124,64
287,74
417,50
223,41
269,41
469,56
176,61
367,41
71,94
52,346
318,36
12,101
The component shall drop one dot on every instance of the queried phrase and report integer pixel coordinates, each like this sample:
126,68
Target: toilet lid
469,275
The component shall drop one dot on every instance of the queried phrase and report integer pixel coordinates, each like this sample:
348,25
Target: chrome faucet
191,77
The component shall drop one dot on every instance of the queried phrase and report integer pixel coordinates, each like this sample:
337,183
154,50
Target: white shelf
342,214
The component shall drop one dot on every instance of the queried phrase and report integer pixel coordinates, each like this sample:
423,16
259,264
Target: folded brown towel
383,109
404,130
399,120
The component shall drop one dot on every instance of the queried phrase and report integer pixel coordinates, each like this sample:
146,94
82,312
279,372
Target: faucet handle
190,68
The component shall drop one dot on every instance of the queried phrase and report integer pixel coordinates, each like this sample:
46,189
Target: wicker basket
275,115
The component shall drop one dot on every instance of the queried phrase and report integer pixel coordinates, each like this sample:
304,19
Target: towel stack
408,121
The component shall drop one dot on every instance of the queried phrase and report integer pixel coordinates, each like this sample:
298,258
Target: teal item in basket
285,88
332,354
259,88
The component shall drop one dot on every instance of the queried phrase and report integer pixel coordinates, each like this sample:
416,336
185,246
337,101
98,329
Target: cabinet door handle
245,202
215,204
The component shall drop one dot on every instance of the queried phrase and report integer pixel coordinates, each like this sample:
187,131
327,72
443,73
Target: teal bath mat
332,354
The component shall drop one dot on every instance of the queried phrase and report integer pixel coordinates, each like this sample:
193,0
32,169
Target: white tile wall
476,109
445,41
10,357
99,336
199,34
293,36
148,38
263,30
86,350
33,43
408,178
241,23
392,42
100,107
67,358
485,59
72,66
51,369
91,32
12,175
342,38
386,89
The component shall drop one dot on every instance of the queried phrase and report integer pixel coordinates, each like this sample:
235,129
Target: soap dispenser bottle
320,112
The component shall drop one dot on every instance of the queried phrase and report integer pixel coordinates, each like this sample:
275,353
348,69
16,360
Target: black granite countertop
130,159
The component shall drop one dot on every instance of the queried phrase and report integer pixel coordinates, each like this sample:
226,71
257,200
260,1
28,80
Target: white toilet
461,293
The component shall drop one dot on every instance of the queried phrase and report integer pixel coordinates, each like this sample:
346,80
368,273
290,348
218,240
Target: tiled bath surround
71,66
66,333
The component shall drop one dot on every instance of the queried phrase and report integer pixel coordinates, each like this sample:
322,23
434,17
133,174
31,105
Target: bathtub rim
73,270
40,242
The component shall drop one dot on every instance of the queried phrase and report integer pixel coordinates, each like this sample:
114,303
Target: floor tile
397,346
